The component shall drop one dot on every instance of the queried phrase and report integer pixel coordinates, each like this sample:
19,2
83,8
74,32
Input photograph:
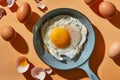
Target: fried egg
64,35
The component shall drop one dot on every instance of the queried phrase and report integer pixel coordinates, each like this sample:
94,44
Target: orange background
106,33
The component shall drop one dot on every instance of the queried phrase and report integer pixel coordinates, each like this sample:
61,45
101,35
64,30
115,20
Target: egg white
77,31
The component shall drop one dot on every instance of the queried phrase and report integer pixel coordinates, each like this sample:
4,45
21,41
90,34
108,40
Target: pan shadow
95,60
33,19
95,7
27,74
20,44
116,20
73,74
98,52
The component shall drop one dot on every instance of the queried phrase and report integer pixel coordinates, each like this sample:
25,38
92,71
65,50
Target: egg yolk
23,63
60,37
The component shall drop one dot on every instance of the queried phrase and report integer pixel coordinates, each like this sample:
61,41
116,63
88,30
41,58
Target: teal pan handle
86,68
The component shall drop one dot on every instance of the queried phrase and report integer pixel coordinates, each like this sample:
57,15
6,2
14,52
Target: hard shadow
95,7
20,44
14,8
116,20
32,21
27,74
73,74
117,60
98,52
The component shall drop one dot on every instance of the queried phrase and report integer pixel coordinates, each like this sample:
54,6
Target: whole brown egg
107,9
8,33
24,12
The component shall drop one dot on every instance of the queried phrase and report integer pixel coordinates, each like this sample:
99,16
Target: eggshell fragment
8,33
10,3
48,70
38,73
114,49
107,9
22,64
42,6
89,2
24,12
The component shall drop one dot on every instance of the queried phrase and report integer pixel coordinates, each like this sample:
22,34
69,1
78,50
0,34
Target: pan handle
86,68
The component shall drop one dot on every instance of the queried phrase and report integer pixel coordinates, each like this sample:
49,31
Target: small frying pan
81,61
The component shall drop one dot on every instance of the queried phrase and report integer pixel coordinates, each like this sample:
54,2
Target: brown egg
24,12
107,9
89,2
8,33
114,49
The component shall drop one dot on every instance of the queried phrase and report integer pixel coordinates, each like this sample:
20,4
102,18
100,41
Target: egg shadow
4,3
20,44
117,60
32,21
95,7
73,74
27,74
94,62
98,52
14,8
116,20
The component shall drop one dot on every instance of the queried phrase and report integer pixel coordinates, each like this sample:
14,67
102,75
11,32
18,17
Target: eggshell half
22,64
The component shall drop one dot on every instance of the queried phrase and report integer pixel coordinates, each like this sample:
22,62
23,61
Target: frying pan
82,60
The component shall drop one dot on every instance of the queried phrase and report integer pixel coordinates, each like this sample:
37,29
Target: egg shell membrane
22,69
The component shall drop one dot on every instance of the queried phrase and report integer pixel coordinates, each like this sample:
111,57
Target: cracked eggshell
38,73
22,64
